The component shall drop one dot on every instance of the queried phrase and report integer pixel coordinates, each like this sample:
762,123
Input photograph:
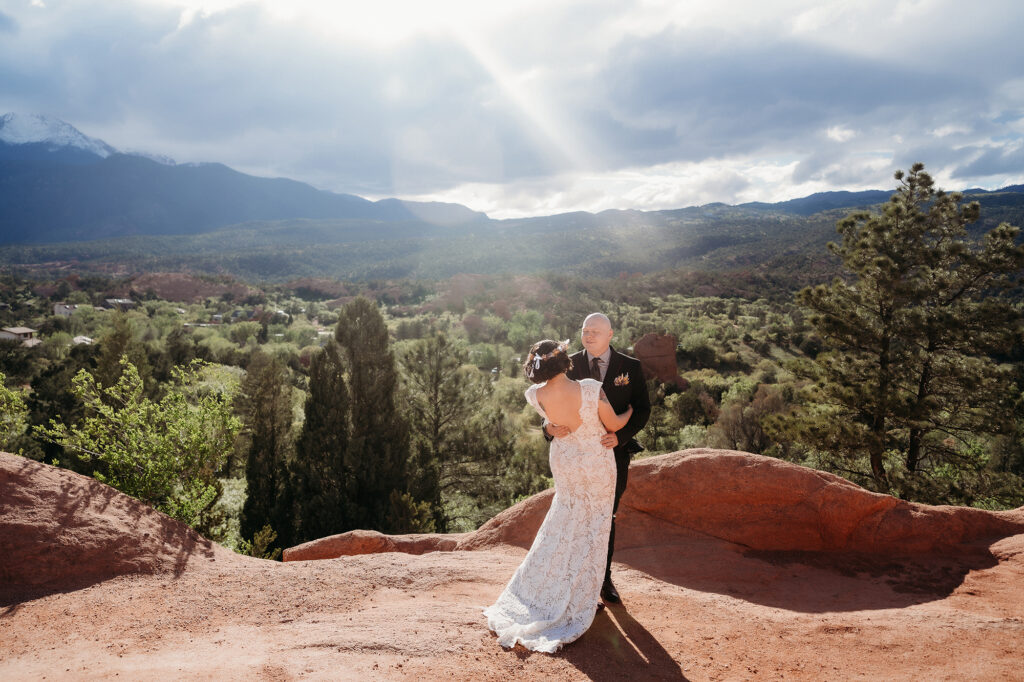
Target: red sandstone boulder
371,542
59,526
756,502
657,355
766,503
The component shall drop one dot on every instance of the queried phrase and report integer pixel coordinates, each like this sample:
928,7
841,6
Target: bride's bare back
561,399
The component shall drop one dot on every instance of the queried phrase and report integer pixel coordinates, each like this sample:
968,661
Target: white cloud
840,134
665,186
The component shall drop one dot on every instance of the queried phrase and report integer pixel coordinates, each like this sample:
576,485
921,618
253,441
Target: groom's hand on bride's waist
556,430
609,440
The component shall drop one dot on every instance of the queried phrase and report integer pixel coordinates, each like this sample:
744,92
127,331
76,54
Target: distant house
23,334
79,340
64,309
120,303
216,318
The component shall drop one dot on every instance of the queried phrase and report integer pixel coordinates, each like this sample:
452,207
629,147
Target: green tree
51,397
13,415
167,453
262,545
16,361
181,347
267,406
117,342
908,376
319,473
525,328
378,445
446,400
241,332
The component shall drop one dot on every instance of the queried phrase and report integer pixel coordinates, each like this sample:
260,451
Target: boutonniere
622,380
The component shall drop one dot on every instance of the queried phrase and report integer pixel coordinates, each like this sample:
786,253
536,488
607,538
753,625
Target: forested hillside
396,402
768,239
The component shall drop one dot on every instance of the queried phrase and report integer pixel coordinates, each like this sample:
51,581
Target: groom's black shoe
609,593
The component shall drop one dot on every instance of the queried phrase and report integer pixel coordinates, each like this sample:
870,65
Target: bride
554,594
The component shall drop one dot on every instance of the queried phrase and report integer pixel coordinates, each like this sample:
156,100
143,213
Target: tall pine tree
377,495
460,449
120,341
320,475
267,403
909,378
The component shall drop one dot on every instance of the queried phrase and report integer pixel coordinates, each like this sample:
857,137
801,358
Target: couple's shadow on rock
617,647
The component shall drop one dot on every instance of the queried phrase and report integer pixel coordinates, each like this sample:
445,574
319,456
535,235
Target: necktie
595,369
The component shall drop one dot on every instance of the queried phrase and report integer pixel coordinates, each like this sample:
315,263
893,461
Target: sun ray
569,152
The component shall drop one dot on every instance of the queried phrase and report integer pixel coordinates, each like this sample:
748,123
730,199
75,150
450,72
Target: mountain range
58,185
69,197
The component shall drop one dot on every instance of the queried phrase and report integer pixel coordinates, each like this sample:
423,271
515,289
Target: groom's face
596,336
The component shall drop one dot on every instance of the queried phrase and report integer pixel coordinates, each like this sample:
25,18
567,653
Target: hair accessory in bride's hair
562,347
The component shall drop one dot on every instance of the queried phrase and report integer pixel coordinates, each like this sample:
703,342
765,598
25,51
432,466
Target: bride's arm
613,422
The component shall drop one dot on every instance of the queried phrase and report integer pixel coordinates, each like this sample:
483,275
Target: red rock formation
371,542
757,502
57,526
657,355
695,606
766,503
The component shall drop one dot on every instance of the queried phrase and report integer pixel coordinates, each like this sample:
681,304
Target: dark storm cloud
993,161
684,95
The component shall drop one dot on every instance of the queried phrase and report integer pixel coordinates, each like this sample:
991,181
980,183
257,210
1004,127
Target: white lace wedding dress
553,595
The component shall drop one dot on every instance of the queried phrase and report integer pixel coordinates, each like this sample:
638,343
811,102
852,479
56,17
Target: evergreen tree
120,341
267,404
908,377
52,398
320,476
460,447
378,445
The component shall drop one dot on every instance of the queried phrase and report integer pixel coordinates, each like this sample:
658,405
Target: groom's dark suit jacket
624,385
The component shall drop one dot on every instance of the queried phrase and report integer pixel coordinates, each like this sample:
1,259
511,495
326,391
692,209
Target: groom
622,379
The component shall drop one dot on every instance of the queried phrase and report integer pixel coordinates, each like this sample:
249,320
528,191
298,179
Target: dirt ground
96,585
700,609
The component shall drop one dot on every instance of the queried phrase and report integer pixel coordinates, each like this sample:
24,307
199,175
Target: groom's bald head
596,334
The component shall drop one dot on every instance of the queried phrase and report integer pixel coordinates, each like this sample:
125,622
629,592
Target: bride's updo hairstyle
547,359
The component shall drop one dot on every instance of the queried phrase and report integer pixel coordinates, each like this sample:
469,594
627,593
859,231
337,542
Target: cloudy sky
535,107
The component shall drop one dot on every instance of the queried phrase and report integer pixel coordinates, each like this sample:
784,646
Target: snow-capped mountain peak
158,158
37,129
